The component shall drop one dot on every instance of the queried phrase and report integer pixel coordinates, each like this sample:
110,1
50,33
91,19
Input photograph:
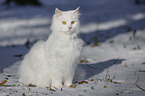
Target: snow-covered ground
115,67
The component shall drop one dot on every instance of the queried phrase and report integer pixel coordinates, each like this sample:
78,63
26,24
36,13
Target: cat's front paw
67,84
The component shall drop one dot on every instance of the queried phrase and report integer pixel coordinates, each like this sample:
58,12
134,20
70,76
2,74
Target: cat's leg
56,80
68,79
68,82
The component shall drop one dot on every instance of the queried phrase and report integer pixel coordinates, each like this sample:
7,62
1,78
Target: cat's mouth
69,32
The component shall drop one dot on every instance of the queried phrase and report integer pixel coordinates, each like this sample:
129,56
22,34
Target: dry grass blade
96,42
141,70
6,86
116,60
52,89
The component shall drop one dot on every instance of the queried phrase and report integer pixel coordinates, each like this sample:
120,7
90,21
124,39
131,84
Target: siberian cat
53,62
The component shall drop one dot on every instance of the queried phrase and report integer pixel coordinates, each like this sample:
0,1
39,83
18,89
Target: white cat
53,62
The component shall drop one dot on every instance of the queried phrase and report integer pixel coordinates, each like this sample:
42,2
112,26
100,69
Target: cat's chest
69,47
64,46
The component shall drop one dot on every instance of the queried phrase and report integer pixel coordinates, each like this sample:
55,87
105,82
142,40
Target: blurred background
21,20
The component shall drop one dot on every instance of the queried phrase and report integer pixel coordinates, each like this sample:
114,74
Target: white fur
51,62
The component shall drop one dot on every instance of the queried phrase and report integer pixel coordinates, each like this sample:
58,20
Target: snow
115,66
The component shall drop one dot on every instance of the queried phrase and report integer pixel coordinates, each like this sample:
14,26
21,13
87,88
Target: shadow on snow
86,71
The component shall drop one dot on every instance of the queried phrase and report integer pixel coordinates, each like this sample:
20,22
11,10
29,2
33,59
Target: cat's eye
73,22
63,22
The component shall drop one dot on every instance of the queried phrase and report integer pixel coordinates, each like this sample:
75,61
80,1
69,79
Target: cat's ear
58,12
76,11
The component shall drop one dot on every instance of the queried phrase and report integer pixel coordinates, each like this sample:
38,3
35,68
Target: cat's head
65,21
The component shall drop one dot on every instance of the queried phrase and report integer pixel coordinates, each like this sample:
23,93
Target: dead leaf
31,85
125,65
1,71
92,87
92,80
105,86
73,86
93,45
3,82
84,61
81,82
116,82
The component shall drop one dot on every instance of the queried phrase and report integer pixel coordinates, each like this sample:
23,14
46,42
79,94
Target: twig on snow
138,85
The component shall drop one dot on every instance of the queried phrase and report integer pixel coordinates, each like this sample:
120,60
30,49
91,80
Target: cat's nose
69,28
